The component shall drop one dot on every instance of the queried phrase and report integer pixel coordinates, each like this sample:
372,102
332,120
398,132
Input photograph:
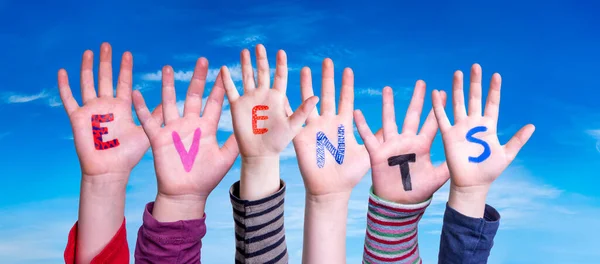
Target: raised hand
330,159
261,125
474,154
107,140
108,144
189,163
331,163
401,166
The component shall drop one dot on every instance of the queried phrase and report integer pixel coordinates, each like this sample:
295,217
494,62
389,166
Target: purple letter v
187,158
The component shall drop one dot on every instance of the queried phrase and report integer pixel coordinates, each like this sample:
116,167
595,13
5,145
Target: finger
413,114
157,115
150,125
169,99
230,151
247,71
475,91
87,77
492,106
327,89
214,103
371,142
281,72
458,97
307,91
193,100
262,67
232,93
440,113
125,81
515,144
66,96
390,128
430,126
347,94
298,118
105,82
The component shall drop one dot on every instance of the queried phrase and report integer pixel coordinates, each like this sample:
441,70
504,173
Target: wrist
172,208
468,200
259,177
332,200
107,185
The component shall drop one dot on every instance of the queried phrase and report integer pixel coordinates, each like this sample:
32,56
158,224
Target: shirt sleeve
465,239
169,242
259,230
116,251
392,231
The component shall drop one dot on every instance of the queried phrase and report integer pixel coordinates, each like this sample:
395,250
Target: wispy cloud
245,39
369,92
4,134
595,133
269,24
235,71
25,98
49,98
336,53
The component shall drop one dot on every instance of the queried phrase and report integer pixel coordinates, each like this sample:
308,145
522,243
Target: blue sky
547,54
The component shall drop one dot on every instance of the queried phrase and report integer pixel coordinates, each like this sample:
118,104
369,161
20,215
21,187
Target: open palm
474,154
122,144
421,179
324,172
260,121
187,157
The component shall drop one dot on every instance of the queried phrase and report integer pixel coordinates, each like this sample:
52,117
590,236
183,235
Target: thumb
297,119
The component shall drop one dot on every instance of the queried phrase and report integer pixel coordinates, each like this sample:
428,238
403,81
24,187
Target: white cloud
369,92
54,101
334,52
595,133
240,40
25,98
4,134
235,71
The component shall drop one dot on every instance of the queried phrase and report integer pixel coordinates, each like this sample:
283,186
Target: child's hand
474,154
189,163
330,159
401,167
108,142
261,124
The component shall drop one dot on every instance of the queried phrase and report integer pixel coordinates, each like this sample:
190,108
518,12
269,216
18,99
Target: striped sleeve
392,231
259,230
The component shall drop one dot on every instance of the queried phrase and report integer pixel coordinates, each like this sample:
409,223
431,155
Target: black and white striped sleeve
259,229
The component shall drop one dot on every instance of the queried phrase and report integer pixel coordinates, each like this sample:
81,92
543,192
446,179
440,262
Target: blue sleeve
465,239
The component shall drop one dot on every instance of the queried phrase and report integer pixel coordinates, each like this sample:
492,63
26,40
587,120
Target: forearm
171,209
469,201
177,241
392,235
101,213
325,220
259,177
469,228
259,228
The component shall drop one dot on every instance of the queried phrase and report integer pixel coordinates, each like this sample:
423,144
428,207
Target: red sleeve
115,252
